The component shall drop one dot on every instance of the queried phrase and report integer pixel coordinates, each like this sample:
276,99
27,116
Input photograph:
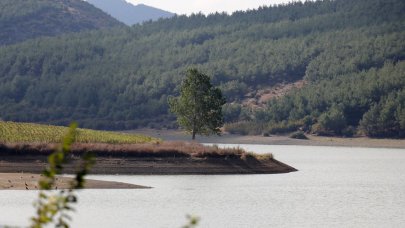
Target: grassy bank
38,139
166,158
144,150
26,147
12,132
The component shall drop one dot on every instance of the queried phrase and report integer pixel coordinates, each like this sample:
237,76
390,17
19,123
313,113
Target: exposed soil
155,166
29,181
160,159
260,97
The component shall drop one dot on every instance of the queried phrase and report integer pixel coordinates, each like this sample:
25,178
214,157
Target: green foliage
284,127
55,208
27,19
232,112
349,131
331,122
234,89
257,128
244,128
369,98
121,78
199,106
386,118
192,222
11,132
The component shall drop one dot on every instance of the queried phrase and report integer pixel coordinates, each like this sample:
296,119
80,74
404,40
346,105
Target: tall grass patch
12,132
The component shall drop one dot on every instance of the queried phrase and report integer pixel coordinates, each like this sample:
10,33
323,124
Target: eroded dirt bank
174,158
155,166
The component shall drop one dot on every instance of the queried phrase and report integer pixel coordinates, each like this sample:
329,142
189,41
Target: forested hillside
128,13
348,52
26,19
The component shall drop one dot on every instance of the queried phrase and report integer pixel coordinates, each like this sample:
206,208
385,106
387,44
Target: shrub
284,127
245,128
265,129
298,135
386,118
349,131
331,122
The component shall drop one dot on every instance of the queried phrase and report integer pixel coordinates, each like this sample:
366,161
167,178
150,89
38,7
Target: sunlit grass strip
261,157
12,132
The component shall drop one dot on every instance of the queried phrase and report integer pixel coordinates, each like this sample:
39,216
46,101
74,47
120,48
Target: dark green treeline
121,78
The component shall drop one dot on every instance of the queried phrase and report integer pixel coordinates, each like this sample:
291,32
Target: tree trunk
194,127
193,134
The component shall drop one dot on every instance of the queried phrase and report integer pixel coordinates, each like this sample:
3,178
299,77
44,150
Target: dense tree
331,122
386,118
21,20
349,53
199,106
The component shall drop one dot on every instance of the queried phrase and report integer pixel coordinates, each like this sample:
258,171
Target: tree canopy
21,20
120,78
199,106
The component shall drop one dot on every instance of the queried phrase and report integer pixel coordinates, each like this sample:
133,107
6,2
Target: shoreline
29,181
165,158
151,166
226,138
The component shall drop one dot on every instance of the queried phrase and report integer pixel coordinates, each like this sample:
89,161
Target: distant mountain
25,19
129,13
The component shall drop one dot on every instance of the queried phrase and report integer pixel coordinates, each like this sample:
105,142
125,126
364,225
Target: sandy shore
175,135
28,181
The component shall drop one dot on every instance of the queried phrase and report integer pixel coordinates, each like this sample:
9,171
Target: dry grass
145,150
262,157
20,139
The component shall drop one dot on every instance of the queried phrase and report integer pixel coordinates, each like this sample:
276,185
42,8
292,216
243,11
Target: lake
334,187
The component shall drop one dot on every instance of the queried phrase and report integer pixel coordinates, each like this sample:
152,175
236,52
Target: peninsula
25,147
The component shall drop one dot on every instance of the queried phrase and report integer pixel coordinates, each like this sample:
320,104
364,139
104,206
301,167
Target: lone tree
199,106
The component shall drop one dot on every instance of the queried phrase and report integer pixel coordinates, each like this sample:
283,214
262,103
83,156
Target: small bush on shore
257,128
298,135
244,128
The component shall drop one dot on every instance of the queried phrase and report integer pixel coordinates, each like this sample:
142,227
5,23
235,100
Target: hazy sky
206,6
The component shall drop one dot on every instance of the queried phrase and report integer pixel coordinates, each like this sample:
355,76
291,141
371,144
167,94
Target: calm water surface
335,187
